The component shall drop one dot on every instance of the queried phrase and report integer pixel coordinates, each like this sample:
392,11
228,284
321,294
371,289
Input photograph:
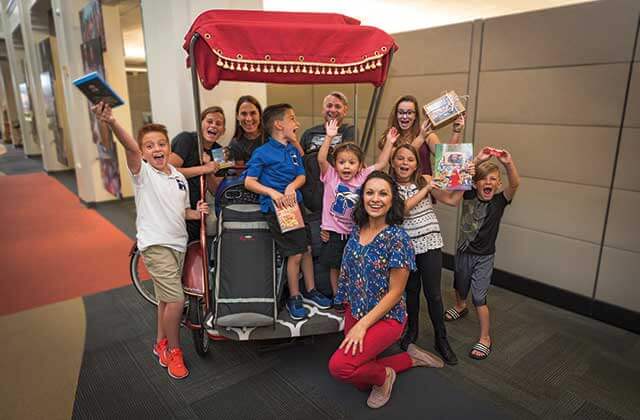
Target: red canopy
283,47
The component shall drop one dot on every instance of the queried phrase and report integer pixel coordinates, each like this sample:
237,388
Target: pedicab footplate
320,321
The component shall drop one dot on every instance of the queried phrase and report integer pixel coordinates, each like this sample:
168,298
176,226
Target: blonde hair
484,169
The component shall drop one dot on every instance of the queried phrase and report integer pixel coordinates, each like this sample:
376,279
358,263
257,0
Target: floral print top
364,275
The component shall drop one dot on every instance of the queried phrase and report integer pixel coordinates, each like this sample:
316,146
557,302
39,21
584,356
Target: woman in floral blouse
375,267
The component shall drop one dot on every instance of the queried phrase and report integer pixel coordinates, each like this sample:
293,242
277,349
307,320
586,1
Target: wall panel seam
563,181
557,66
400,76
595,243
548,124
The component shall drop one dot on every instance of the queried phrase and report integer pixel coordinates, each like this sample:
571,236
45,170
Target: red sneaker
159,350
175,364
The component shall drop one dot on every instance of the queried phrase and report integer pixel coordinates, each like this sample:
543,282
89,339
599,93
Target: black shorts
331,252
290,243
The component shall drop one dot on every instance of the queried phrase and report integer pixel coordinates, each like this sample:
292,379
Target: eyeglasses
406,113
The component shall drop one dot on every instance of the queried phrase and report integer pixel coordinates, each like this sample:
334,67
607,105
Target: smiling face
290,125
377,198
249,119
212,127
404,164
347,165
155,149
487,186
334,109
406,115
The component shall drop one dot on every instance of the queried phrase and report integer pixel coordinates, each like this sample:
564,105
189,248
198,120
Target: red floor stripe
53,248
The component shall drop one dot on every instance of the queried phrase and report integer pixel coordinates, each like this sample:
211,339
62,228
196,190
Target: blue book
96,89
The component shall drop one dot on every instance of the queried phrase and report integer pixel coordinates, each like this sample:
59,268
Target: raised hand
458,124
103,112
485,154
393,135
331,128
505,157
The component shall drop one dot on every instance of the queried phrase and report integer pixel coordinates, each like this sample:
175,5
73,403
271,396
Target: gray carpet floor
547,363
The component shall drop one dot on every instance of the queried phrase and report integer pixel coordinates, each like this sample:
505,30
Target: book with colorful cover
97,90
444,109
451,171
289,217
221,156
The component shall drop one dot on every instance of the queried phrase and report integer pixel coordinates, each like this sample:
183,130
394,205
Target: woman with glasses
405,118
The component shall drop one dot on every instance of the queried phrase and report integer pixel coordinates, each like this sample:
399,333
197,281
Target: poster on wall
93,45
47,80
91,23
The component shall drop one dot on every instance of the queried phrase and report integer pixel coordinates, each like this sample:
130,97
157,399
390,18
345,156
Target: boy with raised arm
482,211
162,205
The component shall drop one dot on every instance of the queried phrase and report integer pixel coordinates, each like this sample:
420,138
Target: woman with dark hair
248,135
186,158
375,267
405,117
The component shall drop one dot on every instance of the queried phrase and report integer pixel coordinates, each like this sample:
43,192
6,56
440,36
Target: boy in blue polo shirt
276,172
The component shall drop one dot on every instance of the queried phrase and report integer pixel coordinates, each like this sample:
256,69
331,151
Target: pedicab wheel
196,316
141,278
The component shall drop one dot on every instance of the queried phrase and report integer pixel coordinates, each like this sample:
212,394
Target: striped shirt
421,223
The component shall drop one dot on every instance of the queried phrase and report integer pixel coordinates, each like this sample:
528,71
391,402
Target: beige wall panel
617,282
628,170
541,151
433,51
586,95
560,36
554,260
623,225
448,220
424,88
572,210
297,95
632,116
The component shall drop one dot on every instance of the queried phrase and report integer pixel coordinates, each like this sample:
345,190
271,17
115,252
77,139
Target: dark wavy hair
239,131
394,216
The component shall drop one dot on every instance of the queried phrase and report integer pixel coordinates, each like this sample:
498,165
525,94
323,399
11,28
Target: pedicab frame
260,47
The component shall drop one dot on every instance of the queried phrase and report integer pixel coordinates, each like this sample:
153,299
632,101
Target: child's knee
295,259
479,300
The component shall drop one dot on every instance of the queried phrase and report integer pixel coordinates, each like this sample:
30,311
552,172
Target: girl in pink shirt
342,184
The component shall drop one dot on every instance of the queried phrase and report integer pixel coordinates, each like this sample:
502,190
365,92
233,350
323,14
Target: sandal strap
453,313
482,348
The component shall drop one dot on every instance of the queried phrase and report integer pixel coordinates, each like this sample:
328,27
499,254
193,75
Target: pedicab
235,284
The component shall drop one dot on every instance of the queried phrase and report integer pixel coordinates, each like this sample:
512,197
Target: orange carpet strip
52,248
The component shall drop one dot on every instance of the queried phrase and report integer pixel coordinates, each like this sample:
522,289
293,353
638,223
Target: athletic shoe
313,297
175,364
339,307
159,350
295,308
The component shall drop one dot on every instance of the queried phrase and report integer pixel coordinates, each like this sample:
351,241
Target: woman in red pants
375,267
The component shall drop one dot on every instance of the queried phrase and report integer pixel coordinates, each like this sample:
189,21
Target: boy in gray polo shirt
162,205
482,210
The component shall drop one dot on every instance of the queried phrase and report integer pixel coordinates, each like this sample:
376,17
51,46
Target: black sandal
481,348
452,314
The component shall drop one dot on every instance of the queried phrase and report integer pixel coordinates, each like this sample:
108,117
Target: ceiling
390,15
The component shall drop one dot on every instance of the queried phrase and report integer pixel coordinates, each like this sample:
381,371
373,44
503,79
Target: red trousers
365,369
